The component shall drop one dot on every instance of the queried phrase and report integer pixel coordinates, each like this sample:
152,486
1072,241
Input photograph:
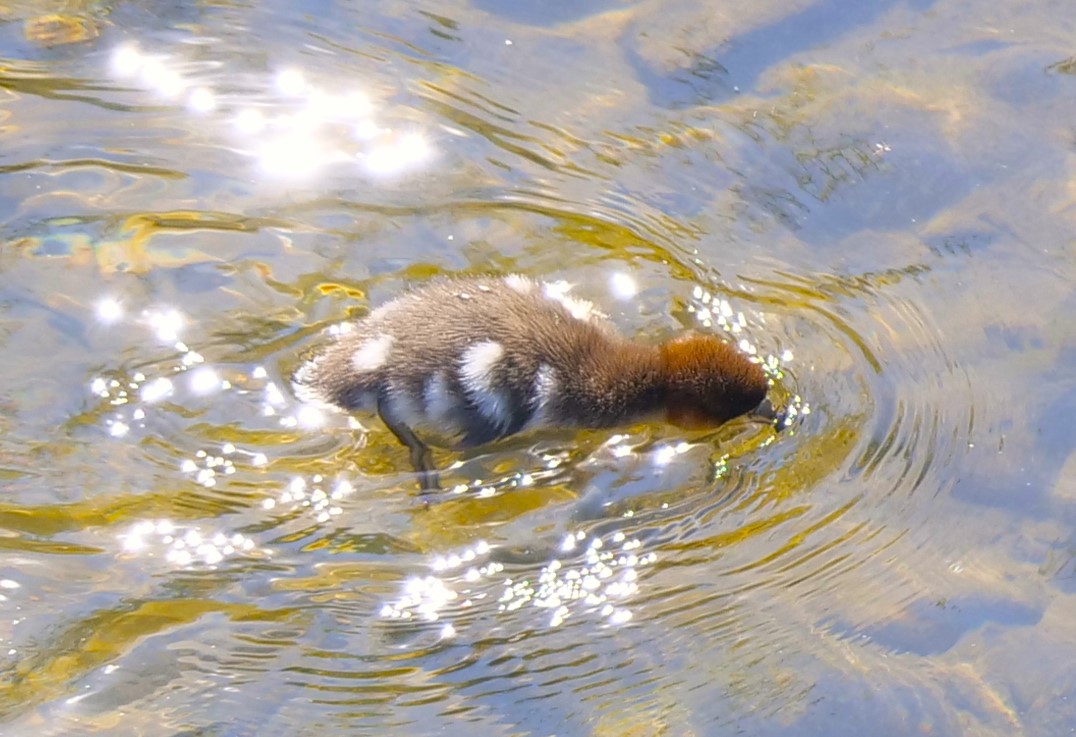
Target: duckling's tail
308,385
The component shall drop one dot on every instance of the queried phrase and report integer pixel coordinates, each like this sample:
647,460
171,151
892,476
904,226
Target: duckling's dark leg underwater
421,455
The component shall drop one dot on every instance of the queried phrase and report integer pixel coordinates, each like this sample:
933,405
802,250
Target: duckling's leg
421,455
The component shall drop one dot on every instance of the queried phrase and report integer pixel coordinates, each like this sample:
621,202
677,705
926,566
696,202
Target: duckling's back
479,358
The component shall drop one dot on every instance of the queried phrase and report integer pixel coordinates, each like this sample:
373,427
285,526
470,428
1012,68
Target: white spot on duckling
372,354
545,387
476,374
478,362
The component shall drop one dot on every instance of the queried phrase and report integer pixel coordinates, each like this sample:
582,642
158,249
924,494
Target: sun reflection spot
250,122
623,286
325,107
294,156
108,311
310,417
273,395
290,82
205,380
664,455
397,156
181,558
157,76
156,390
166,324
126,60
202,100
366,130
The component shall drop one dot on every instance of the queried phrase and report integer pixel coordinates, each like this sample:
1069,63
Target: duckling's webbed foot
421,455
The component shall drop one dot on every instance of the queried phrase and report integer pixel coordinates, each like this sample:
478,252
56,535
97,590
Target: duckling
482,358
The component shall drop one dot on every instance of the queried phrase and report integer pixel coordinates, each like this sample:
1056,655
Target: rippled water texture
876,198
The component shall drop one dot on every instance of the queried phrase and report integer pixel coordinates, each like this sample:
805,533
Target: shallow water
876,198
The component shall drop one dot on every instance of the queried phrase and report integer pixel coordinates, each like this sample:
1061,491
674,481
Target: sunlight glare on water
302,133
108,310
600,581
185,546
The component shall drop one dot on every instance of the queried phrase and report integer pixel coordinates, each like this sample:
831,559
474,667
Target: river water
878,199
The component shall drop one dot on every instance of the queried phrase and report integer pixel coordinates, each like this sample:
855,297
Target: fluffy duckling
486,357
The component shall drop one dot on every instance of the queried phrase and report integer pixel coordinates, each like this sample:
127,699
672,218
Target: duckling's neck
624,384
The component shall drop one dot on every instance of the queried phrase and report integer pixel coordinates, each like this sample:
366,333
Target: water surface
876,198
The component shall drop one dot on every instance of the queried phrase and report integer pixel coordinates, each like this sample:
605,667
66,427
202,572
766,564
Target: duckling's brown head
708,381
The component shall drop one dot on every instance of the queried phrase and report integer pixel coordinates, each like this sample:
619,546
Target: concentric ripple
815,515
